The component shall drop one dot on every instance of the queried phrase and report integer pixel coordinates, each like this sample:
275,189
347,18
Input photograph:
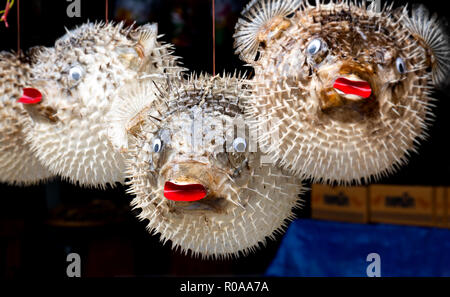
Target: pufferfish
78,80
18,164
196,175
346,86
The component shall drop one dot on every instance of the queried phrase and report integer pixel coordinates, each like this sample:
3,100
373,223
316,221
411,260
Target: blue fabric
322,248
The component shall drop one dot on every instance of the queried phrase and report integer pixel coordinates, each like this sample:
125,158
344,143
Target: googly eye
157,145
239,144
401,67
75,73
314,47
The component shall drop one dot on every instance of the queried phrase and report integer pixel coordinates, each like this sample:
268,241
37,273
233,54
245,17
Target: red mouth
351,87
30,96
191,192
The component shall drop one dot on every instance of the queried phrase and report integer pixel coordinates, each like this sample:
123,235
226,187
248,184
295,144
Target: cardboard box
406,205
440,208
345,204
447,208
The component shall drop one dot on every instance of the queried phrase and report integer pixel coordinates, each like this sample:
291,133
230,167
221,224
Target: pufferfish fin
145,38
432,34
129,111
261,20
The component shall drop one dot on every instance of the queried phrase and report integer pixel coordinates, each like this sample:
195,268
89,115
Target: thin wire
214,35
107,11
18,27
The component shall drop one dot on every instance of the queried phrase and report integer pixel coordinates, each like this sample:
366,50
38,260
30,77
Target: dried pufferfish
79,79
18,165
196,180
346,86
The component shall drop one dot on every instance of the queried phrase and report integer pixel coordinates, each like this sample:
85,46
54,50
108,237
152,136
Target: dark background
40,225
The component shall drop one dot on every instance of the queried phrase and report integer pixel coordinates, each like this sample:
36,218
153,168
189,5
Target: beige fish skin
186,136
80,78
347,87
18,165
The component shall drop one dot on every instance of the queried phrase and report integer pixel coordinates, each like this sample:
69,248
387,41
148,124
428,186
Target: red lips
192,192
351,87
30,96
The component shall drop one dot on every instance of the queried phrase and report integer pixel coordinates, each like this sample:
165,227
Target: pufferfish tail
431,33
261,21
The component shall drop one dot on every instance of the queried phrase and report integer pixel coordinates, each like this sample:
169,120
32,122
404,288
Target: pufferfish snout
184,192
352,89
30,96
187,181
350,85
194,186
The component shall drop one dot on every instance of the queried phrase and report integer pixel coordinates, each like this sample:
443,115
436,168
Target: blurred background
40,225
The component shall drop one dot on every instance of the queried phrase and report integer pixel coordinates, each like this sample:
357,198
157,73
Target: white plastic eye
75,73
239,144
314,47
157,145
401,67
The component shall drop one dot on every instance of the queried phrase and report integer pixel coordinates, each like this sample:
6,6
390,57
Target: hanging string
214,35
18,27
4,18
107,11
5,12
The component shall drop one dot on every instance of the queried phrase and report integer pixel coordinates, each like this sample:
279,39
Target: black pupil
401,67
76,75
314,47
156,147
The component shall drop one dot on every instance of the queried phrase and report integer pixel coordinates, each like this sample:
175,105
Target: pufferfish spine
80,78
246,202
347,87
18,165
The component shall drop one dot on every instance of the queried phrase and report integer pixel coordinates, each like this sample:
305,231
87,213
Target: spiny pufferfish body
346,86
79,79
195,179
18,165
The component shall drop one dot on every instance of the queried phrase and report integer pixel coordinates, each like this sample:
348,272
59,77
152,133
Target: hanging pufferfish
346,86
78,80
197,181
18,164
